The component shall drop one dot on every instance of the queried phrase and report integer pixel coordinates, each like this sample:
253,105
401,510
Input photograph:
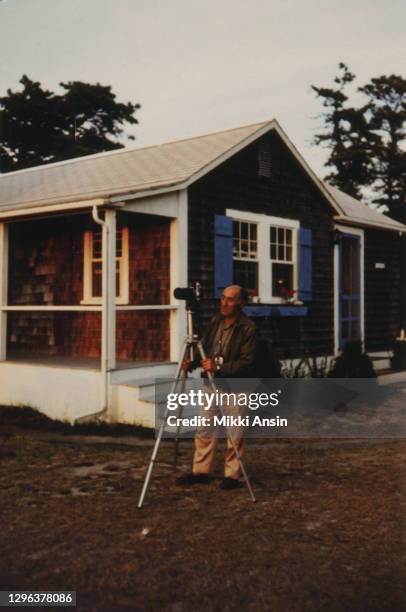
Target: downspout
104,314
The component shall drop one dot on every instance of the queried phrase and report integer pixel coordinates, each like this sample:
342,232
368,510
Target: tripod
191,340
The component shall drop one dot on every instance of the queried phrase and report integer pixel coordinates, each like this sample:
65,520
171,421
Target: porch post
109,290
178,274
3,288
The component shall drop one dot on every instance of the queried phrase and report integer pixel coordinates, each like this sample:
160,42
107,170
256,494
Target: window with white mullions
93,266
281,255
245,255
265,256
245,242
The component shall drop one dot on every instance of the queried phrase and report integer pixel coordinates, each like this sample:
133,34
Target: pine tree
386,115
38,126
346,135
367,144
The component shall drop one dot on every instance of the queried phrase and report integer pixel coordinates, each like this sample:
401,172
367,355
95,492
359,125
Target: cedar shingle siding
46,267
382,289
287,192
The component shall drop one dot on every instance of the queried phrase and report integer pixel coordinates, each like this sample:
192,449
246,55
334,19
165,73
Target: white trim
3,288
178,275
360,233
50,307
124,277
164,205
264,261
110,286
41,208
149,307
73,308
123,297
244,215
349,220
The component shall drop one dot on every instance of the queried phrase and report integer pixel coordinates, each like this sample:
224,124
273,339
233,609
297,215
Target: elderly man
230,344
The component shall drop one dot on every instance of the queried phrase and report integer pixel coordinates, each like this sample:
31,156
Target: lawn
328,531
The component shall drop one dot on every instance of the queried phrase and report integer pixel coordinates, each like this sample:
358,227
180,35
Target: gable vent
264,161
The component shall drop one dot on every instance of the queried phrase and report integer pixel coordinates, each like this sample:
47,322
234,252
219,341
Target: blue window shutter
223,253
305,264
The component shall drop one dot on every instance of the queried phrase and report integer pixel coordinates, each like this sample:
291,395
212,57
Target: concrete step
129,408
144,373
381,361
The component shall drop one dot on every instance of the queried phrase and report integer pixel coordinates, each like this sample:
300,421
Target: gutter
104,327
49,207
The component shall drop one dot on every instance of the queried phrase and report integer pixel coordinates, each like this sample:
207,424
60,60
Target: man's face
230,302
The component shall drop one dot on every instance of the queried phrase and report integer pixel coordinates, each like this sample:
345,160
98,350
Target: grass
328,531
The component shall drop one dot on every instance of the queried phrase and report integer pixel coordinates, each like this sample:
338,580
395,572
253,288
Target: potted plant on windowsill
288,295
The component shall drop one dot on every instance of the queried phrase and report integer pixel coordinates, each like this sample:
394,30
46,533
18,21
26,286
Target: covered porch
80,318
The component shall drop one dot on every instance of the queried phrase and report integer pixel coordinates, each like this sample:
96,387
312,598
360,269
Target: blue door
349,288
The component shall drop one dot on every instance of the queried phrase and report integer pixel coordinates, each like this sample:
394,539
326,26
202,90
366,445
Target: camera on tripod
192,295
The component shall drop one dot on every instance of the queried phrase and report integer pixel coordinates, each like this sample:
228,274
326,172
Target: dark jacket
239,356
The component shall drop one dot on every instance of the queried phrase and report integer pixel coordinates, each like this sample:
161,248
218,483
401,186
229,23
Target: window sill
91,302
272,301
276,310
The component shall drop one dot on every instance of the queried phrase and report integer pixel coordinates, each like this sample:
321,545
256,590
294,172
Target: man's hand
208,365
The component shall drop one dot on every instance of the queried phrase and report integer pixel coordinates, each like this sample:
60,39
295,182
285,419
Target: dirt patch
328,531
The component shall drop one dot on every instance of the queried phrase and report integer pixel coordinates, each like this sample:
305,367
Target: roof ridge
122,150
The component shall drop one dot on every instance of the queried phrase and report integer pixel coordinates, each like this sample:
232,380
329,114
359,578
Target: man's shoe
191,479
229,483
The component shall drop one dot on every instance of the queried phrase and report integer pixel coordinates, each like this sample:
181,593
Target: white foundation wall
60,393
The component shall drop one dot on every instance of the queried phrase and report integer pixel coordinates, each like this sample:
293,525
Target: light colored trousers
207,437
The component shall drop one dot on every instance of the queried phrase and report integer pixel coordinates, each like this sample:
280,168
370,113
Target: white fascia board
163,204
354,222
147,193
244,215
39,210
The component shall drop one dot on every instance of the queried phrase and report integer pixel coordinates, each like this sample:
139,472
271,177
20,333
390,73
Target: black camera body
192,295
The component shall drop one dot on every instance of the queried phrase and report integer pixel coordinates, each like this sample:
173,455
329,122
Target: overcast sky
199,66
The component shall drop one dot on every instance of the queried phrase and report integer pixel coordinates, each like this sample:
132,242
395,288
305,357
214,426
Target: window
245,255
265,254
92,285
281,254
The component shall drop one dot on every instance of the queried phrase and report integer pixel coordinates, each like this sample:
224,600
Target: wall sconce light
336,237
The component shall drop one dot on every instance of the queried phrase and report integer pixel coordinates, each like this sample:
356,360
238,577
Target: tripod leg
175,458
160,433
175,454
230,437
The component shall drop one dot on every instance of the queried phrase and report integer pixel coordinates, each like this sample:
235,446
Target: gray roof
165,166
118,172
359,213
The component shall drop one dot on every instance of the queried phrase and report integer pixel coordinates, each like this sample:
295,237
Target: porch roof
105,177
357,213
